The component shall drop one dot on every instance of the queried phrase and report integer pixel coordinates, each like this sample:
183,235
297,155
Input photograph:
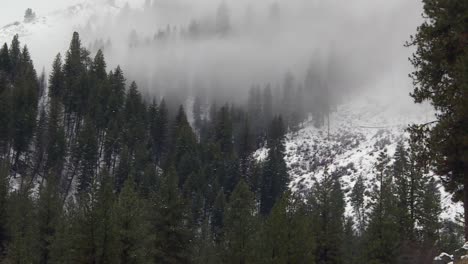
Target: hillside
359,131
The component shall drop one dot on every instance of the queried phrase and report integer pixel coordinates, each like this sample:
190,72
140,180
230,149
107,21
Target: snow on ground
359,131
50,34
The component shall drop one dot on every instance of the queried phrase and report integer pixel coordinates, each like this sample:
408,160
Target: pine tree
205,249
22,246
240,225
132,228
86,153
106,226
217,218
404,193
223,131
382,236
170,222
56,143
15,56
287,233
357,200
56,79
24,106
351,243
117,95
49,206
440,77
4,191
161,132
5,62
98,68
275,177
327,205
6,118
184,148
134,119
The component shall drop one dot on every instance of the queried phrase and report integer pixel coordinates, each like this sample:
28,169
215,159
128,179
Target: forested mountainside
92,171
96,167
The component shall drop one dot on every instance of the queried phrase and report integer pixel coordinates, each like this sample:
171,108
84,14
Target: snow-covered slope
358,132
49,34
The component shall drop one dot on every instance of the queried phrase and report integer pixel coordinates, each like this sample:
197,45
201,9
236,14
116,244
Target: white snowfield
359,131
50,33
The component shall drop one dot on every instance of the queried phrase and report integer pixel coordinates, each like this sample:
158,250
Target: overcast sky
364,37
13,10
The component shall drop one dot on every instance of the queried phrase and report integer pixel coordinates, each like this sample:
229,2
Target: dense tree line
93,172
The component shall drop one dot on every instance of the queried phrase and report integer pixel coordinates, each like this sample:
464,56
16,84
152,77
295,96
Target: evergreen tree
56,143
24,106
275,177
170,222
86,152
5,62
4,190
184,149
22,245
56,79
98,67
205,249
240,225
440,77
15,56
382,236
287,234
161,132
357,200
327,205
217,218
49,206
132,229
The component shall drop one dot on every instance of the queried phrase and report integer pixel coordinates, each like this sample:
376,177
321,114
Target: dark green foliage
382,237
56,143
217,219
132,228
240,226
440,77
327,205
357,200
170,222
23,243
275,177
49,207
56,79
86,152
99,174
287,234
5,62
4,189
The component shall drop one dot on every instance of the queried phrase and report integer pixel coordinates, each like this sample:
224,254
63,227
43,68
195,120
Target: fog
224,47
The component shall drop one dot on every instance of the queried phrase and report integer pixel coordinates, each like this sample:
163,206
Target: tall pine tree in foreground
441,78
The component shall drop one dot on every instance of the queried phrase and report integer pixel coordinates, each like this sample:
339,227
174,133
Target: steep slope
358,132
53,30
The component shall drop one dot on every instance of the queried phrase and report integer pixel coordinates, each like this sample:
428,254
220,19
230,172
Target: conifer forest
234,132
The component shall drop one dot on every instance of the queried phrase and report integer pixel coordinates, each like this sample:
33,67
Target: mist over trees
175,158
93,171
